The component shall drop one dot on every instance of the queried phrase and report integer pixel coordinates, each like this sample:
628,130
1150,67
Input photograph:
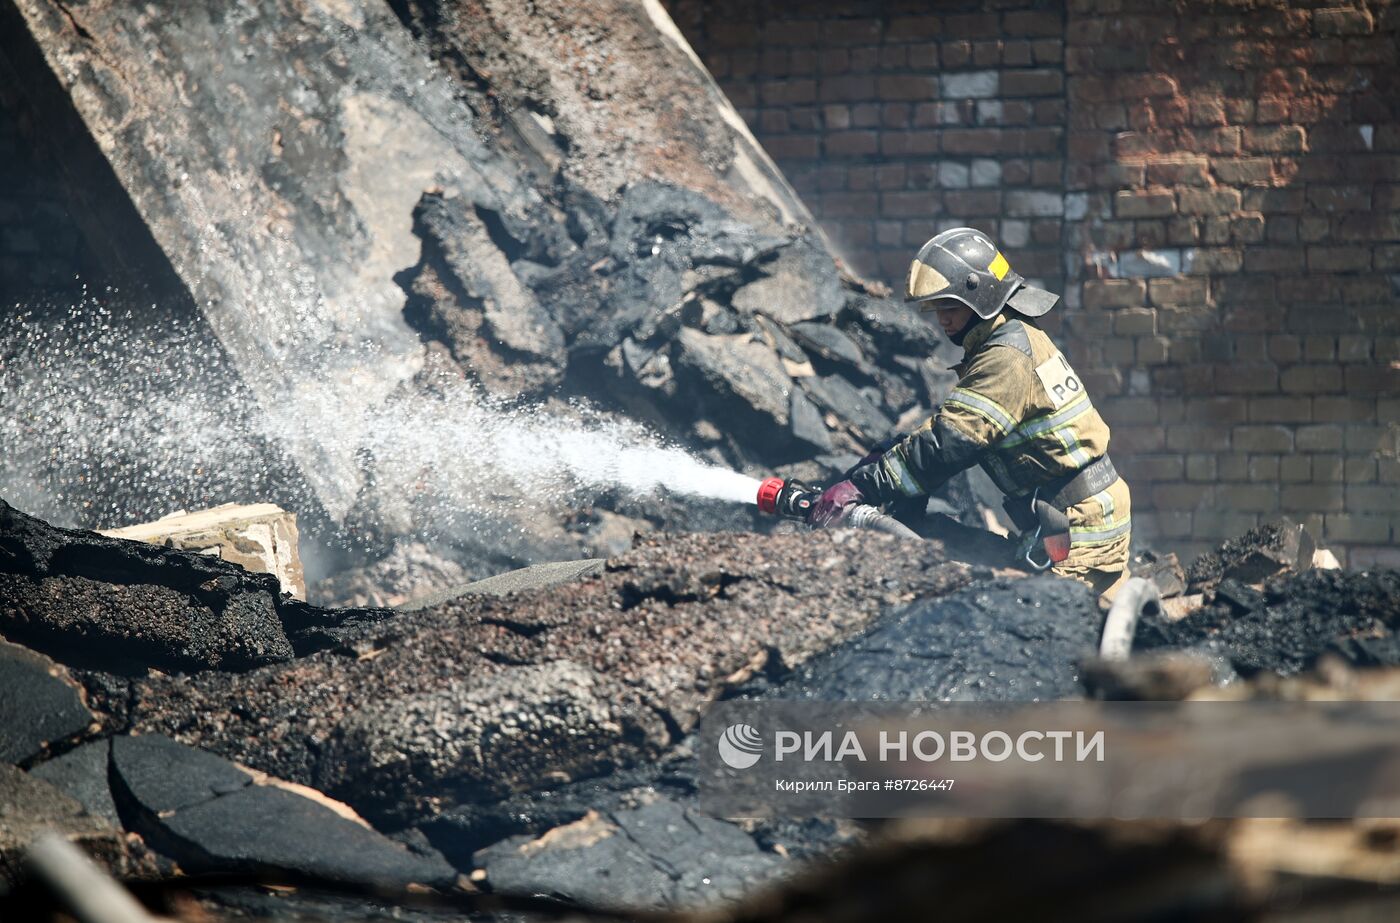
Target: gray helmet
964,264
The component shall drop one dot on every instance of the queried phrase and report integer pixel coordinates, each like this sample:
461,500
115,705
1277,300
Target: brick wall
895,120
1237,167
41,249
1215,186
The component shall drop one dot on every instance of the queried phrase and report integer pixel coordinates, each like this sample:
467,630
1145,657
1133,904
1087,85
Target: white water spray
108,420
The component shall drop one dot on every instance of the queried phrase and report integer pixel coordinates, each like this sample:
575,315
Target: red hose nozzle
768,495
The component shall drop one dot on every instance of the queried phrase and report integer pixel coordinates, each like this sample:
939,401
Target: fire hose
792,499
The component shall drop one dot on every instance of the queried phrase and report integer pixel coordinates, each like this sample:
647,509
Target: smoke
109,417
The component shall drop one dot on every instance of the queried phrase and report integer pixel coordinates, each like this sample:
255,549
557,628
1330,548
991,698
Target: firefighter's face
953,316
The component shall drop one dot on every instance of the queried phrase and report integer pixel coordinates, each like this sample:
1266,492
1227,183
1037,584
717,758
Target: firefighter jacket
1020,411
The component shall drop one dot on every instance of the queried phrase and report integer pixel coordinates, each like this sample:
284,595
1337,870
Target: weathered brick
1311,498
852,143
906,143
1232,466
1257,438
1249,498
1208,201
1198,437
1295,469
972,202
1217,410
1361,437
1240,378
1216,525
1155,468
907,86
1338,259
1166,523
1032,83
1226,140
1179,291
973,140
1183,496
1153,350
1319,348
909,204
1348,409
846,88
1210,260
1343,22
1356,527
849,204
1372,379
1033,23
851,31
794,147
1280,410
1201,467
1273,259
1276,139
1133,204
971,85
1180,169
1269,201
1114,293
1360,469
1340,198
1322,437
1247,229
1355,348
1134,321
1374,557
913,28
1031,203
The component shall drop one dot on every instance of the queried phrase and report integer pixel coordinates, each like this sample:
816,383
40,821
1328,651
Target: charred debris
539,743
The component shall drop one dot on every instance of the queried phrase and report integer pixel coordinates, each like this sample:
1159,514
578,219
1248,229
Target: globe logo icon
740,746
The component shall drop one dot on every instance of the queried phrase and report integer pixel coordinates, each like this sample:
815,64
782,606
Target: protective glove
834,503
880,448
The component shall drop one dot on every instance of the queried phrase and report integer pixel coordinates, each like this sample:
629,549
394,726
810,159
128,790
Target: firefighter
1019,410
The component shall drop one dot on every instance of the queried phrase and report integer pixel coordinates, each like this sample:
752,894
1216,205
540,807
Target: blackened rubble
532,736
1000,639
121,606
40,705
482,696
685,316
1292,622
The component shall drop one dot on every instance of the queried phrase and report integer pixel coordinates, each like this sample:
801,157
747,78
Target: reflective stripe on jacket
1021,412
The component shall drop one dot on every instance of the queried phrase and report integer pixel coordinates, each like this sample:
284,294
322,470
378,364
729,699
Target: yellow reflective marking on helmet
924,281
1000,267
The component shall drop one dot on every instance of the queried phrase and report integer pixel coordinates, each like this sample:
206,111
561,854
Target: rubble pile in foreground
540,741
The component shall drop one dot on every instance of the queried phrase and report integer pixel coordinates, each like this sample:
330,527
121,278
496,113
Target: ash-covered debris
31,807
1293,621
998,639
120,606
659,854
722,334
40,705
210,815
484,696
1164,570
1260,553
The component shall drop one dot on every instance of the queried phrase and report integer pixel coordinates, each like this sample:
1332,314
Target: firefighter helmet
964,264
